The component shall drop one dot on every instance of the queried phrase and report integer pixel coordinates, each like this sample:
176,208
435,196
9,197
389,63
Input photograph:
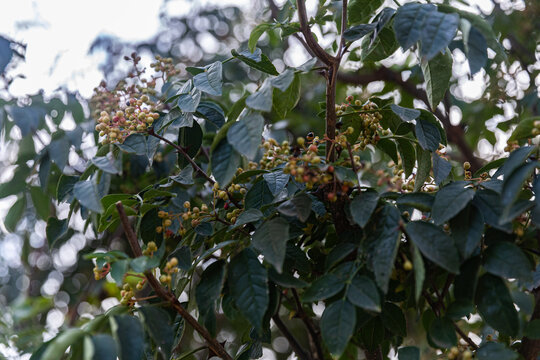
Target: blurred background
63,49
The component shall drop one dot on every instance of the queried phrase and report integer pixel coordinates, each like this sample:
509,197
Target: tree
216,231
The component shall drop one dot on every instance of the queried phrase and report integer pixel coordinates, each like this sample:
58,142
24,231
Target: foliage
368,236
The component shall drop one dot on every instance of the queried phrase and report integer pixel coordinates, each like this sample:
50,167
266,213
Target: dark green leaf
427,134
129,335
409,22
441,168
106,164
360,11
104,347
261,100
210,80
359,31
276,181
15,214
55,229
408,157
157,324
437,73
256,33
404,113
248,216
450,200
489,204
467,230
493,350
409,353
389,147
285,101
299,207
190,139
384,45
134,144
271,240
57,347
286,280
248,283
532,330
435,244
423,158
513,183
442,332
41,202
393,319
87,194
225,161
475,46
495,305
419,272
363,293
258,196
506,260
384,244
245,134
324,287
337,326
438,30
256,60
362,206
420,201
515,160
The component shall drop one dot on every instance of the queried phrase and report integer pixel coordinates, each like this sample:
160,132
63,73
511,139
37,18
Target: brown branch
343,28
165,294
455,134
297,348
308,36
353,164
313,333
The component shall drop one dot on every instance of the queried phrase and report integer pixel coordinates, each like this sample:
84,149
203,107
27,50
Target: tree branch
165,294
456,134
310,40
313,334
297,348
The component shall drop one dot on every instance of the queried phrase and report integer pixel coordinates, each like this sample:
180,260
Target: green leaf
467,230
384,46
276,181
15,214
532,330
129,335
506,260
495,305
409,22
224,161
384,244
286,280
405,114
363,293
212,113
419,272
271,240
189,98
494,350
256,33
106,164
59,151
389,148
409,353
450,200
134,144
337,326
190,139
258,196
285,101
513,183
55,229
442,333
475,46
324,287
210,80
393,319
87,194
360,11
441,168
64,189
438,30
245,134
427,134
299,207
248,216
424,167
157,324
408,157
483,26
248,283
435,244
184,177
104,347
489,204
256,60
261,100
523,130
58,346
437,73
362,207
420,201
359,31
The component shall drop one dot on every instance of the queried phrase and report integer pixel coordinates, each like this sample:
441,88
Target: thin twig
353,164
313,334
344,20
165,294
295,345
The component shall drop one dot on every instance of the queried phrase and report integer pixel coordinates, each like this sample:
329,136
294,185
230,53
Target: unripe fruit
466,165
167,222
407,265
132,279
301,141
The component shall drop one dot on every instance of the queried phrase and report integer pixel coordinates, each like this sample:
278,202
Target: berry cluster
130,106
171,267
367,120
459,353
